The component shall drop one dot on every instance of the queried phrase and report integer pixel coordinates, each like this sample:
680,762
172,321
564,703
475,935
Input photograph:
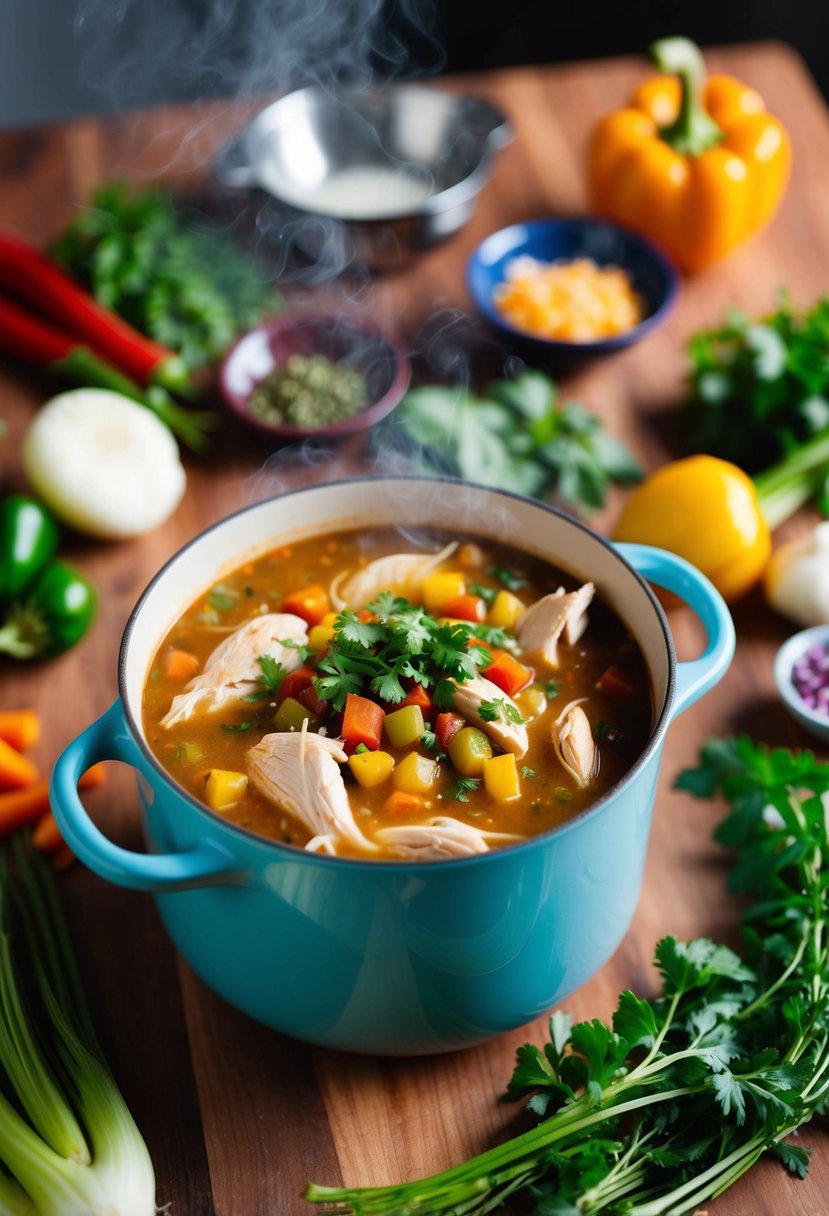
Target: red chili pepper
26,273
29,338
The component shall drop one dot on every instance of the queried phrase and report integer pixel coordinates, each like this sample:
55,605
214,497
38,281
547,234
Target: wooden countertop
237,1117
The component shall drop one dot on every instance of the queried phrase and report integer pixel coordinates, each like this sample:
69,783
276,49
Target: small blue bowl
817,724
654,277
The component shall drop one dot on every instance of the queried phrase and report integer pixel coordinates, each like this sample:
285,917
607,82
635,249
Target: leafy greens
516,437
667,1106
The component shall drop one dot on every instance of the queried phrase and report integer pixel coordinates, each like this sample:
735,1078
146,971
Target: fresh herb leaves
518,436
671,1102
499,709
222,598
401,644
462,787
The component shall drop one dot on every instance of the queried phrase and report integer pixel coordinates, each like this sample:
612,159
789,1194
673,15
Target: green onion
72,1145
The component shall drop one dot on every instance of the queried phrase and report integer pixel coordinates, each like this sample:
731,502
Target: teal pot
393,957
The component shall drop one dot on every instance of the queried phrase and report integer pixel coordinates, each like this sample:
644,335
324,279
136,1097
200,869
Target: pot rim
291,852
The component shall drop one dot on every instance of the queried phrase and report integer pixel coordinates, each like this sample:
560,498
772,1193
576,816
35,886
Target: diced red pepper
362,723
418,696
617,683
309,698
311,603
447,726
294,682
465,608
510,675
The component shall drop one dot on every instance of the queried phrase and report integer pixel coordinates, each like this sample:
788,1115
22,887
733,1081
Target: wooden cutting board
237,1117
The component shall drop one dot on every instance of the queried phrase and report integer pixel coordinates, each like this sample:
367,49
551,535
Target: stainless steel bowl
377,176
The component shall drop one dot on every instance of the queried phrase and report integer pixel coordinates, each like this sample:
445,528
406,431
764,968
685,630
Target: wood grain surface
237,1117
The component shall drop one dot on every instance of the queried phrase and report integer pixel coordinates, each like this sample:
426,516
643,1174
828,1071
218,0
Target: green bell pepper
54,614
28,540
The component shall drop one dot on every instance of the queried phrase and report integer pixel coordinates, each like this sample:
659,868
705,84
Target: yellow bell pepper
708,511
696,165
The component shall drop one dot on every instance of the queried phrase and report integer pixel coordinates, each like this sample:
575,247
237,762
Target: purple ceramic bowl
352,339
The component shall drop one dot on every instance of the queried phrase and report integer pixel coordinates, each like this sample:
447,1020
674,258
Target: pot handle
204,864
679,576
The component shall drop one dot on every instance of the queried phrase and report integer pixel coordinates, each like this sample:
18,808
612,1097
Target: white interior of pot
410,503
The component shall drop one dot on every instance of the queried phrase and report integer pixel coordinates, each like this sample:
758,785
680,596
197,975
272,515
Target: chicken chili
349,698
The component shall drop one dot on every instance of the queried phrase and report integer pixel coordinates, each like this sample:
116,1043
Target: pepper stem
694,130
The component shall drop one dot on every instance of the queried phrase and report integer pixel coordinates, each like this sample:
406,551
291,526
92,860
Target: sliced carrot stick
46,835
179,665
362,723
20,728
19,807
401,803
510,675
17,771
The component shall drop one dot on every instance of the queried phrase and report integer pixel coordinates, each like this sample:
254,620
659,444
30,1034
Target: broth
598,682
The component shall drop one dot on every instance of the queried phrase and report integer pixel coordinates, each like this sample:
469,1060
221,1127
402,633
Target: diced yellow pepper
319,636
371,768
532,702
438,590
329,618
416,774
501,777
223,788
468,749
505,611
405,726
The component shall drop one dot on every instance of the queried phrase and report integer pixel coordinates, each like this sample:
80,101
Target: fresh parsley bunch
669,1104
519,437
184,282
759,389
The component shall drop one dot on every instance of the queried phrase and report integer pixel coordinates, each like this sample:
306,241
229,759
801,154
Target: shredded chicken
401,573
539,628
300,771
574,744
441,837
233,671
467,699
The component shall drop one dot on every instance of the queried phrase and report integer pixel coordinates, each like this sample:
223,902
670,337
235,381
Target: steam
138,51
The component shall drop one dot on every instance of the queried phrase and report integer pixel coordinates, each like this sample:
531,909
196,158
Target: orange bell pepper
696,165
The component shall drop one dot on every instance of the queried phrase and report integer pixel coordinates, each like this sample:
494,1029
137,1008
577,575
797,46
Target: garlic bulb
797,578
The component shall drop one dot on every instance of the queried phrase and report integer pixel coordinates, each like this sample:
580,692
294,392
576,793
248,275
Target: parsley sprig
499,709
673,1100
401,642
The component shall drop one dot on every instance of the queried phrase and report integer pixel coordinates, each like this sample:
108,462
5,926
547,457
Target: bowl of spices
307,373
565,289
801,672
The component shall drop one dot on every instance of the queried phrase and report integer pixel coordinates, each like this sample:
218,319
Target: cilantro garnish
222,598
606,730
487,594
462,787
528,772
512,580
499,708
402,645
272,675
236,728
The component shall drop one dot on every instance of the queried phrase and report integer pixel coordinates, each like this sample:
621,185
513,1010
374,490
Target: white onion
104,464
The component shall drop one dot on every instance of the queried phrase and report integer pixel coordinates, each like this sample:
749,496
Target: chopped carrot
63,858
17,771
465,608
19,807
418,696
295,681
510,675
20,728
311,603
179,665
46,835
362,723
617,683
364,616
447,726
400,803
